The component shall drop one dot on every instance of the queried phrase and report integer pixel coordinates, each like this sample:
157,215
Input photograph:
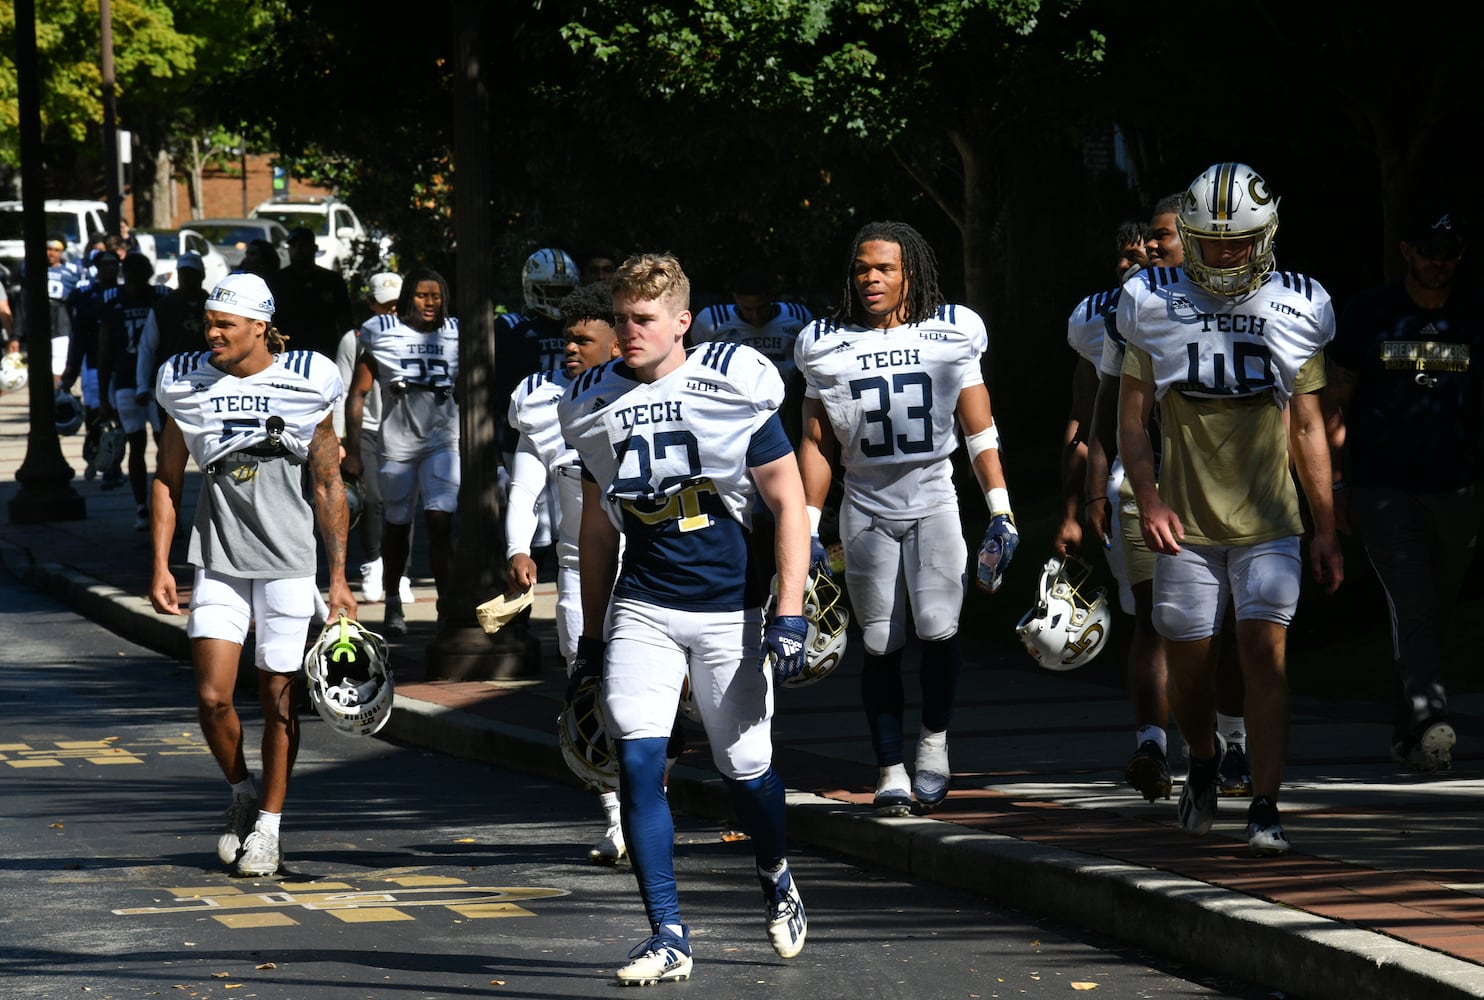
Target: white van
75,219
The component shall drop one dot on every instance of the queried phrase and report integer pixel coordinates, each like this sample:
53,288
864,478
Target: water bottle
989,563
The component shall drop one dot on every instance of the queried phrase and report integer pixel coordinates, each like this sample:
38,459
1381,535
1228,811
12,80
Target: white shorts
1114,553
135,416
434,477
89,382
222,607
59,354
649,651
888,562
1191,589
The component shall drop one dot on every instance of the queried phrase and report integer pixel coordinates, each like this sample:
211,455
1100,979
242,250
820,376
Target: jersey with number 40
891,397
416,372
672,458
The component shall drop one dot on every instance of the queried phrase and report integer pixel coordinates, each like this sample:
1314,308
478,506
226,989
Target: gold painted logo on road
346,902
104,751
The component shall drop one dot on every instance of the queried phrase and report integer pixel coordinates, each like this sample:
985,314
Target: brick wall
222,192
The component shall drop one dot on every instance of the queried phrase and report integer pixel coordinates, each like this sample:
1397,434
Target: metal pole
44,475
111,165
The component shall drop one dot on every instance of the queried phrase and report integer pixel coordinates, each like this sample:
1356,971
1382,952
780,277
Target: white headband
242,295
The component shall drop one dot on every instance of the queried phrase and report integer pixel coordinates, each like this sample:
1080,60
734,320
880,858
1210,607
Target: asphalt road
413,875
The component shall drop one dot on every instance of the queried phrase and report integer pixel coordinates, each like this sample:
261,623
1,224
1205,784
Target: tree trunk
194,187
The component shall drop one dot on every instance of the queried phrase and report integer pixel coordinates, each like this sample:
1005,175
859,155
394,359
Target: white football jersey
416,372
533,415
774,339
250,436
1211,346
672,458
533,412
892,399
1088,324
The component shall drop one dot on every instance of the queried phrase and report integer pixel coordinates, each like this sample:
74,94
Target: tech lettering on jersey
1206,346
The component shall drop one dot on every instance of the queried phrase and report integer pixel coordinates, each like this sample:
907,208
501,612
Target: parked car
231,237
74,218
334,224
165,246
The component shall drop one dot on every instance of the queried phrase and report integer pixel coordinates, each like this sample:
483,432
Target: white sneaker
371,589
240,817
893,792
664,958
930,783
262,854
405,590
610,849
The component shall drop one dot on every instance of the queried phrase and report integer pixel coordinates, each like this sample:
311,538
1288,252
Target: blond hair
276,339
653,276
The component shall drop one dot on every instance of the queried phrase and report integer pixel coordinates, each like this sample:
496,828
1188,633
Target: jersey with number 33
891,397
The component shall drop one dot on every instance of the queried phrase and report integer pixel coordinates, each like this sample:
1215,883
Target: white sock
676,930
267,823
1233,727
244,789
610,806
1155,733
932,751
895,778
773,875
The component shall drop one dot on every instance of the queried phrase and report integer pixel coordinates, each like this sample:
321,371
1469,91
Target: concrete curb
1180,918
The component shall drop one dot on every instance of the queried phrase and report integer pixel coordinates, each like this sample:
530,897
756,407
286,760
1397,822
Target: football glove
587,664
819,555
783,646
996,551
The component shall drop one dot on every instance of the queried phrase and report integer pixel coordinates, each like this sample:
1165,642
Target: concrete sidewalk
1381,896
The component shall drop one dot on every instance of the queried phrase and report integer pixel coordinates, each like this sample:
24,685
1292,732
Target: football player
413,356
673,446
1229,350
252,416
1115,521
891,377
126,309
543,458
382,292
529,342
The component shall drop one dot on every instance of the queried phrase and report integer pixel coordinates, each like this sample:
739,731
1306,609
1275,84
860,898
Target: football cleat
262,855
664,958
1197,806
1148,770
787,923
1265,834
1235,778
240,817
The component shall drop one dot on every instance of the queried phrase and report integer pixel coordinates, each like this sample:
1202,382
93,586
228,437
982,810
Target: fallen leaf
220,975
732,836
268,965
1084,986
464,840
55,826
497,982
230,986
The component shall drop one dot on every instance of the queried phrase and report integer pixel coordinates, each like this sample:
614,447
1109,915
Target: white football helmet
68,413
350,685
1067,627
12,372
548,276
1228,201
582,731
828,618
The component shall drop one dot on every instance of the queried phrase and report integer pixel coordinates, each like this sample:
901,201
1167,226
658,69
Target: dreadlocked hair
276,339
919,270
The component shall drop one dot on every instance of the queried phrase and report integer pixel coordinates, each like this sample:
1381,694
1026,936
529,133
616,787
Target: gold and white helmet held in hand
828,618
1068,626
350,683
